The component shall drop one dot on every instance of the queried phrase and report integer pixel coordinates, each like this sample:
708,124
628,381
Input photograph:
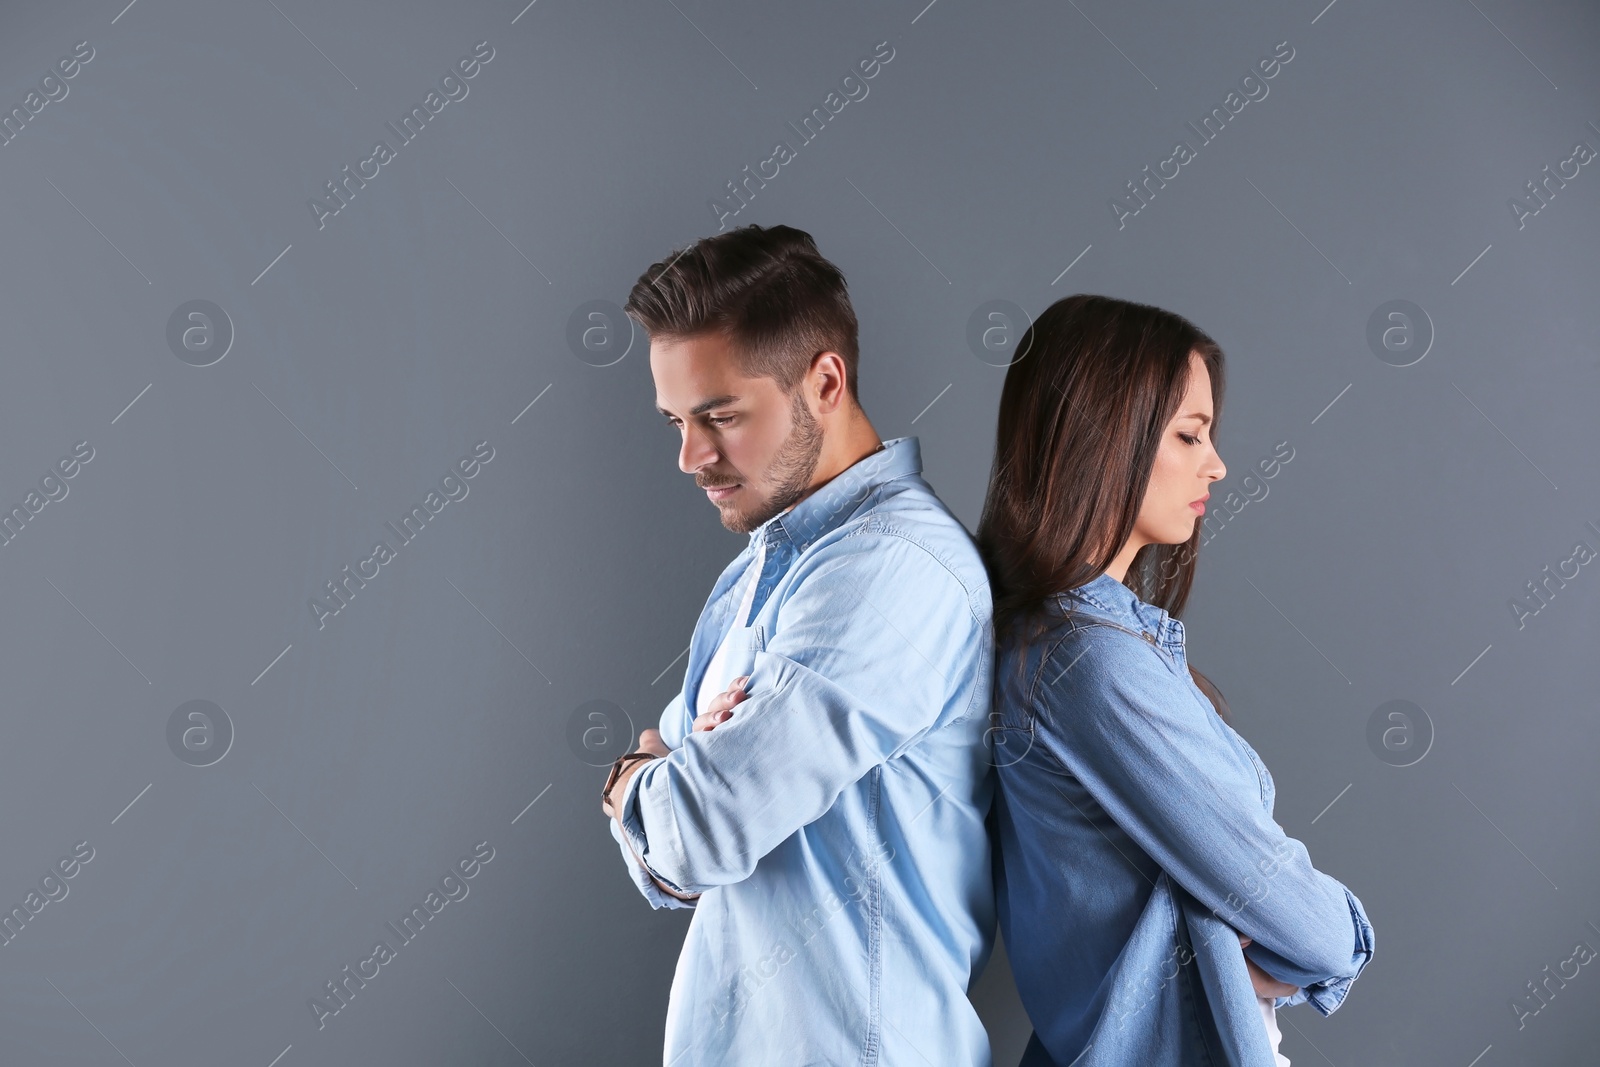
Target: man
823,813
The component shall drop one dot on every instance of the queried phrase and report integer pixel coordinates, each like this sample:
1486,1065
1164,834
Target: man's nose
697,450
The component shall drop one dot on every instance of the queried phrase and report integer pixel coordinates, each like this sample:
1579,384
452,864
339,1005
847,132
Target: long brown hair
1081,417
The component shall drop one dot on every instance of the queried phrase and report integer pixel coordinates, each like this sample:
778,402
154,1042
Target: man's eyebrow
705,405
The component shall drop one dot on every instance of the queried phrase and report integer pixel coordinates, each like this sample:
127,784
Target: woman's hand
1265,985
721,706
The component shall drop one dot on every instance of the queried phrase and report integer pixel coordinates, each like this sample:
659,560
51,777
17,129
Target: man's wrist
620,789
623,768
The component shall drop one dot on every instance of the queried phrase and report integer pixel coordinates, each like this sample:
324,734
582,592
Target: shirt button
1147,636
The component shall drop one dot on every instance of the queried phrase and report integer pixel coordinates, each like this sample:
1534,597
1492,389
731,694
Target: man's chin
735,520
741,520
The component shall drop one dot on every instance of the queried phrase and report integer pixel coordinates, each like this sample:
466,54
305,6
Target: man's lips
718,492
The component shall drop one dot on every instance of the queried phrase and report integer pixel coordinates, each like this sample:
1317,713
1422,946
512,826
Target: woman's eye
1189,439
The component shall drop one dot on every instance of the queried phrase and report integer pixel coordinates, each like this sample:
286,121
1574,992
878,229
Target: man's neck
857,444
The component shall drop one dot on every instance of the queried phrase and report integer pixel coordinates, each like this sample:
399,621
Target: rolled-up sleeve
873,645
641,876
1327,995
1149,753
672,729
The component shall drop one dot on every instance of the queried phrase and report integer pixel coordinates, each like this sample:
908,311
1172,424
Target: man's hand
721,706
649,741
1265,985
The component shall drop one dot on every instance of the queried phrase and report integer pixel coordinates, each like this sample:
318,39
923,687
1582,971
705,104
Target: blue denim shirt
834,827
1135,836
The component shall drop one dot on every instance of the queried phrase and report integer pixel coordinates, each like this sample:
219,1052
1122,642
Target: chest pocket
740,657
1264,776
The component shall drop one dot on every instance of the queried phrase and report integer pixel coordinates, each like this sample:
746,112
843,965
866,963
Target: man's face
752,448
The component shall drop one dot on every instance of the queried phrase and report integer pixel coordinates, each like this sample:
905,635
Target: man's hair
767,290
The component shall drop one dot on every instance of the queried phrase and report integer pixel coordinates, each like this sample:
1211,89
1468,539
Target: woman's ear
1213,694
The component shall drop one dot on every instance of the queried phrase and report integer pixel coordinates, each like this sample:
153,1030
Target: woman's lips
1200,505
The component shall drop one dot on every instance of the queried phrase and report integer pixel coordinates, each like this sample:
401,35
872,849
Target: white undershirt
1269,1015
716,679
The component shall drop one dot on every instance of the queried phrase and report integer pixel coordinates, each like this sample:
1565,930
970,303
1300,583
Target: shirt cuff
631,809
641,875
1327,996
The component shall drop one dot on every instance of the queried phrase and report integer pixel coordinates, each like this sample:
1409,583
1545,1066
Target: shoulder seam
1082,625
877,524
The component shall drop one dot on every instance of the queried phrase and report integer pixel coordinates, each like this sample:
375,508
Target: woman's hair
1213,694
1082,413
768,290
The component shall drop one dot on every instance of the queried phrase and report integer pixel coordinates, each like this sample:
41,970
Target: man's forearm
619,791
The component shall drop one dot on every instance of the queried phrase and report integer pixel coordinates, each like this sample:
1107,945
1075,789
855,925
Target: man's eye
722,420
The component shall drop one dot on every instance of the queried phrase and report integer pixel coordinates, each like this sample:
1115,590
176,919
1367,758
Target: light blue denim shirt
1135,836
834,826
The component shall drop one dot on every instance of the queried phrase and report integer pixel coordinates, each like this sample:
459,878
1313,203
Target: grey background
433,309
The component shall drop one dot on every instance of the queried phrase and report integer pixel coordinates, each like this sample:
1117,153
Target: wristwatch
616,770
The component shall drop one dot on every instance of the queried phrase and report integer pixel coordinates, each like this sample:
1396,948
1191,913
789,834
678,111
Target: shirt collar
1111,598
837,499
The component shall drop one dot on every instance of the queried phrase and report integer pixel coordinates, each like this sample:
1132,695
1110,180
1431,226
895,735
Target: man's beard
791,469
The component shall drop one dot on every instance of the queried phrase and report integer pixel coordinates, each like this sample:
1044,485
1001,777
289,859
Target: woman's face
1186,465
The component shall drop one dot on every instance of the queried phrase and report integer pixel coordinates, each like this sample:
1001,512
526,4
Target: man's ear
827,377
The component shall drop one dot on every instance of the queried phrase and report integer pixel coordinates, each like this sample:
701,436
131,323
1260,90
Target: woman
1153,911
